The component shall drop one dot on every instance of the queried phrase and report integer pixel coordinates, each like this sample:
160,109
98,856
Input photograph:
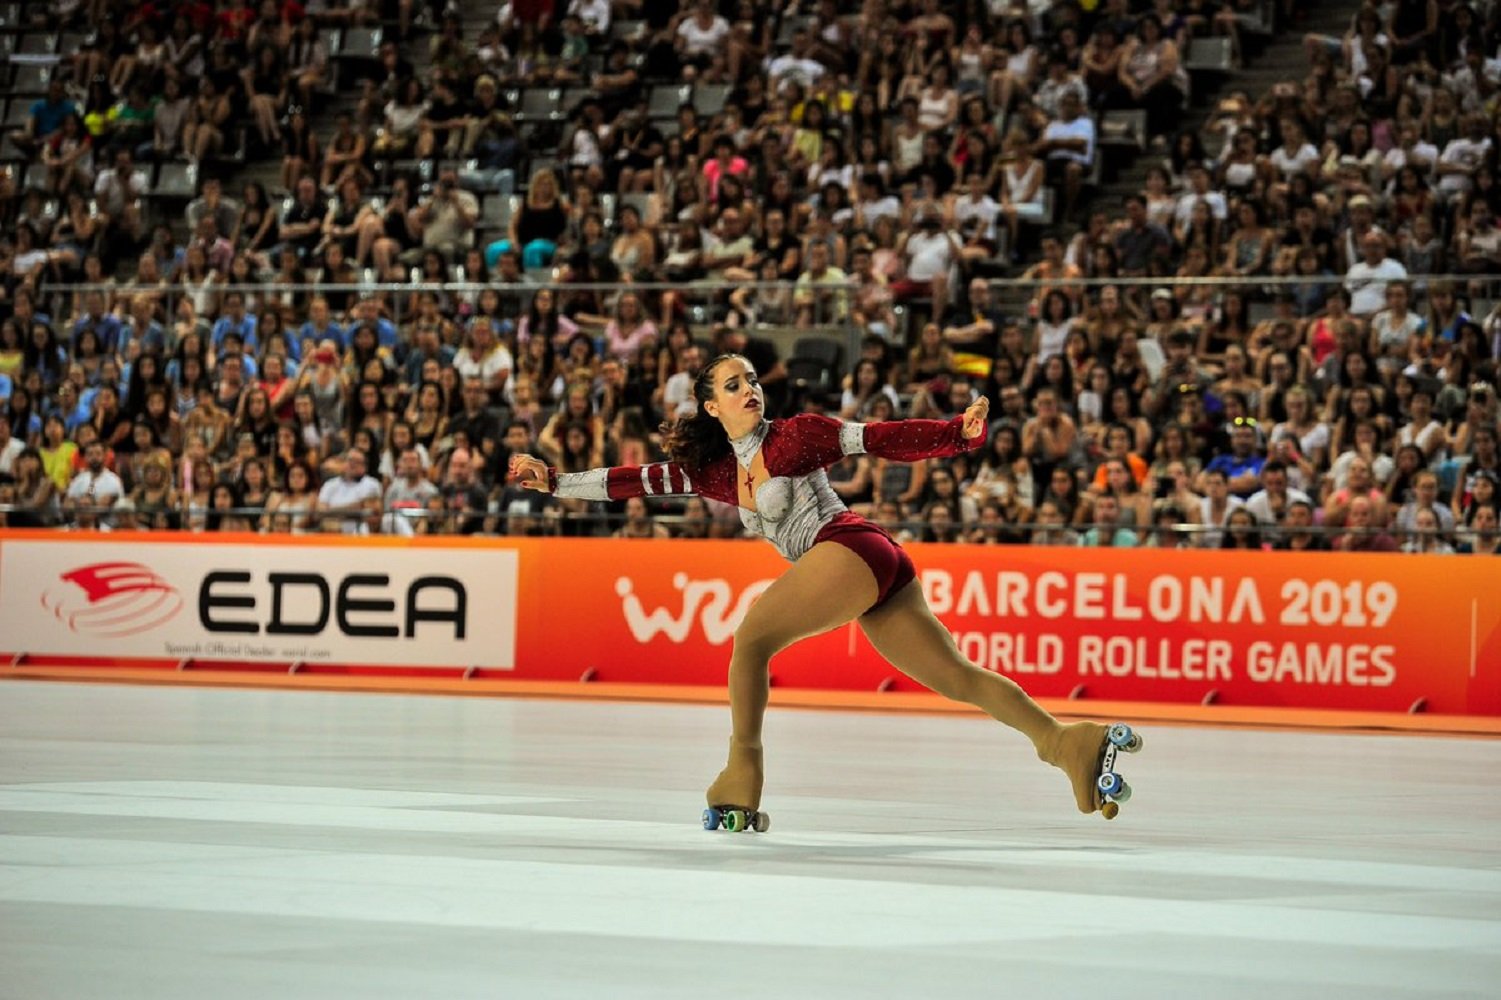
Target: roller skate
735,797
1086,752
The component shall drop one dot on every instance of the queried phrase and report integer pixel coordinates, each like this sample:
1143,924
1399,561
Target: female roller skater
843,567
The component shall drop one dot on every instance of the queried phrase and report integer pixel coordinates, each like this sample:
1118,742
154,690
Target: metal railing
555,521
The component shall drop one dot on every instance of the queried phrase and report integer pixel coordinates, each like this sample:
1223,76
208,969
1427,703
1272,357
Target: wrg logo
718,617
112,600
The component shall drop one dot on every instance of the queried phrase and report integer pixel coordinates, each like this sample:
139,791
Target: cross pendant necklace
750,482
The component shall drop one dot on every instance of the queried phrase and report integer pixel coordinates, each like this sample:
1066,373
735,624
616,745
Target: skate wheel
1110,810
1110,783
1122,736
763,822
711,819
1123,794
734,820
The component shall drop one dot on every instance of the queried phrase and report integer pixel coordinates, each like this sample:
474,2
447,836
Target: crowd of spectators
884,161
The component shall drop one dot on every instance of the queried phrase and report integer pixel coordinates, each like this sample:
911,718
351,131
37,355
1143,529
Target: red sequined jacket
796,501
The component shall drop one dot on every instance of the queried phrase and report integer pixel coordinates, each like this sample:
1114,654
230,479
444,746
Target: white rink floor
172,843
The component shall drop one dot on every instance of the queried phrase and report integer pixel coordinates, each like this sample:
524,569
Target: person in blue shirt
1242,464
428,345
141,328
320,326
97,318
234,347
367,313
45,117
235,320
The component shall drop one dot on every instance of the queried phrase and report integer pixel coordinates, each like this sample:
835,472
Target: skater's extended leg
826,588
905,631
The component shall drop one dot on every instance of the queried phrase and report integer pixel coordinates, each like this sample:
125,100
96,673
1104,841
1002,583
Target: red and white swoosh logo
112,599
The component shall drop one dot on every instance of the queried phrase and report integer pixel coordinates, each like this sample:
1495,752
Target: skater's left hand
530,473
974,418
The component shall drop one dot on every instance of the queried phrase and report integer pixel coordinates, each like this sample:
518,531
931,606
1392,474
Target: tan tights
831,586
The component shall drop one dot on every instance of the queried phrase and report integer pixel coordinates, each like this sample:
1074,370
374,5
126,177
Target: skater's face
738,400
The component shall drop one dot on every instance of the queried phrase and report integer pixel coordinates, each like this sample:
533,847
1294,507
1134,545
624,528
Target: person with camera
445,220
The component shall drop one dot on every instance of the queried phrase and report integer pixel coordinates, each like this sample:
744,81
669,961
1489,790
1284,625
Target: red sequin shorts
886,559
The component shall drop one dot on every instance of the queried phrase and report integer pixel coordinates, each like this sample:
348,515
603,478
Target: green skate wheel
734,820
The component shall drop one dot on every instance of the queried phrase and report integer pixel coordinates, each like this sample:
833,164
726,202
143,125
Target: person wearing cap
1482,538
1484,457
1241,465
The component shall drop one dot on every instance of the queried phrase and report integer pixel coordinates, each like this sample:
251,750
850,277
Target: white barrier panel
381,606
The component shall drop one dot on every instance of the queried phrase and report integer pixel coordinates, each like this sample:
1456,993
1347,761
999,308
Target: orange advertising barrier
1364,632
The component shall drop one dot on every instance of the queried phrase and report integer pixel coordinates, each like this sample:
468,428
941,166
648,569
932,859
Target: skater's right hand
530,473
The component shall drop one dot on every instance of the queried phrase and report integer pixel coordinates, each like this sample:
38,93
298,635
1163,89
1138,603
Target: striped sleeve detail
665,479
658,479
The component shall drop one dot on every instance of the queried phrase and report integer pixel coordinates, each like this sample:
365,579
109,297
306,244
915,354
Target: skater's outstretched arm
659,479
825,440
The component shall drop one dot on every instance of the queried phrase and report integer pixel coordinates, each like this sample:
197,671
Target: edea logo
111,600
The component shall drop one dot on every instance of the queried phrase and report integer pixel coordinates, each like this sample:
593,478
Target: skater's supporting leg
826,588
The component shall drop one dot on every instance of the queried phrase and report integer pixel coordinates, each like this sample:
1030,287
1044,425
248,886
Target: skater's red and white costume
795,508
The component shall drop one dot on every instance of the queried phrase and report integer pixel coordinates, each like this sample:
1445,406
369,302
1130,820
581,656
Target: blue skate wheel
711,819
1120,734
1110,783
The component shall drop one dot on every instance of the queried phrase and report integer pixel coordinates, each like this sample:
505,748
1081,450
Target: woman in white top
1393,330
1241,163
1151,76
974,59
906,139
1423,430
1021,69
703,34
404,116
938,104
1054,324
1161,205
1425,535
1311,435
1296,154
1021,185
